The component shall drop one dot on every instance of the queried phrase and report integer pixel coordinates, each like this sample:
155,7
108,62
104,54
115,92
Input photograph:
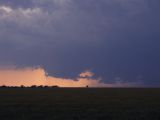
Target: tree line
33,86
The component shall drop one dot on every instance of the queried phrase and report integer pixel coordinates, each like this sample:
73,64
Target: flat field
79,104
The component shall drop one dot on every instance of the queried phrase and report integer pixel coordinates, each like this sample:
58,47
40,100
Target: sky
103,43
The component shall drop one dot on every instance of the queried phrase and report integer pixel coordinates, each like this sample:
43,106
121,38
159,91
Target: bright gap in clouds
5,9
37,76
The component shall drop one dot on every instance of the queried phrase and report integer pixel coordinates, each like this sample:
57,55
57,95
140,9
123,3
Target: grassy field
79,104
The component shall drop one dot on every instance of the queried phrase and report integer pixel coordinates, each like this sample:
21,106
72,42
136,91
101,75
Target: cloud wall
38,76
115,38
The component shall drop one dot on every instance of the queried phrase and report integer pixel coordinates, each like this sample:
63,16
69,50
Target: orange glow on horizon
37,76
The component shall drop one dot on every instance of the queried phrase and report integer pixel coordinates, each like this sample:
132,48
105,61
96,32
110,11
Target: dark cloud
114,38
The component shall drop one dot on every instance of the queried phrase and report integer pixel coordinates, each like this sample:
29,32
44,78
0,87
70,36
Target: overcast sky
115,39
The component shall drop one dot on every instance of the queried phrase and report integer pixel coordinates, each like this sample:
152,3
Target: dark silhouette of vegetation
33,86
3,86
22,86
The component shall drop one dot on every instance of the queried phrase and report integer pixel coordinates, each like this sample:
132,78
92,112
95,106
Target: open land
79,104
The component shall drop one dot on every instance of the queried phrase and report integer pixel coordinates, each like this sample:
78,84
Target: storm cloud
12,76
116,39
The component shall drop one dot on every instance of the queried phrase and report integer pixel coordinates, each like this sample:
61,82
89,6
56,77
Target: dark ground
79,104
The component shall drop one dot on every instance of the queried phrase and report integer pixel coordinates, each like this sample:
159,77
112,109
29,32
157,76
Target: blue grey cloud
114,38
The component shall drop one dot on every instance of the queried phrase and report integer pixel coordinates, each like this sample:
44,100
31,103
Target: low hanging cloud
29,76
99,34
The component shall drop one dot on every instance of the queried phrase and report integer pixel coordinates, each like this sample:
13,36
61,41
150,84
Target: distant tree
3,86
46,86
87,86
33,86
41,86
55,86
22,86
